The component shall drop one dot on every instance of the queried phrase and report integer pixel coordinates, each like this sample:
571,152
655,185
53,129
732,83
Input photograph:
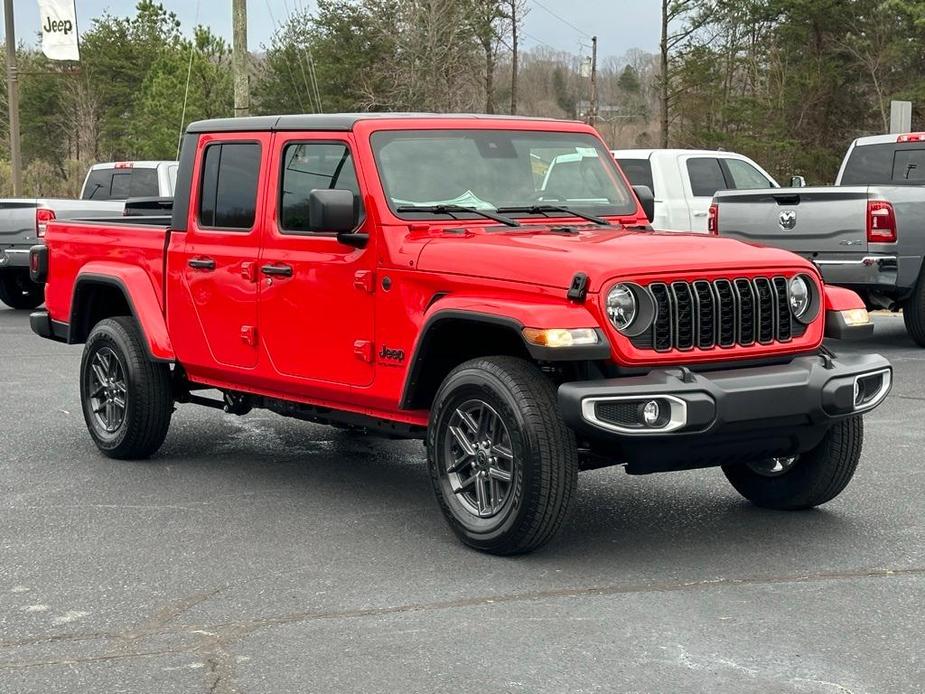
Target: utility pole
239,60
515,57
592,111
12,82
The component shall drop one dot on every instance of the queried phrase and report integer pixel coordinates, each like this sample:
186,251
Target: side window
745,176
706,177
99,182
309,166
228,194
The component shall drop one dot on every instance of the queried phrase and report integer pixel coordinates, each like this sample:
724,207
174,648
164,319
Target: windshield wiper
546,209
453,209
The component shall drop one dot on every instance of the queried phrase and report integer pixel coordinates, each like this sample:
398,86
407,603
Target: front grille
721,313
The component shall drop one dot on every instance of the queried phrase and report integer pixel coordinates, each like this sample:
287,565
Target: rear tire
503,464
914,313
125,396
18,291
812,479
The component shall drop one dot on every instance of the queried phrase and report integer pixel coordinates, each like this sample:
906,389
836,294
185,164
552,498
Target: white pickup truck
684,182
105,190
866,233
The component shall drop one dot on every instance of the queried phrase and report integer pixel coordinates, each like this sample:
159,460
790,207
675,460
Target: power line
561,19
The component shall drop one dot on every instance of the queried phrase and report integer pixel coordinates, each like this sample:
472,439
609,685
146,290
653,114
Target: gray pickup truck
22,225
105,189
866,233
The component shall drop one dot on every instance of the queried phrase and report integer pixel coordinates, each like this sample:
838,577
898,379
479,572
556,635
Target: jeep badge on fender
547,328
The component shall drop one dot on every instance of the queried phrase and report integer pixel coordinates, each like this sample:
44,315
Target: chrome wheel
480,459
774,467
107,390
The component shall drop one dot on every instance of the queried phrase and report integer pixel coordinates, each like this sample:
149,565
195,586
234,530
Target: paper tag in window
586,151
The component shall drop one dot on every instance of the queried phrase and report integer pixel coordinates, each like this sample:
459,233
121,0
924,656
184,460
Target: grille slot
662,338
706,310
684,315
724,313
784,329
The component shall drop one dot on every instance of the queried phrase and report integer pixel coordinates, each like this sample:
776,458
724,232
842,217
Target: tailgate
803,220
17,221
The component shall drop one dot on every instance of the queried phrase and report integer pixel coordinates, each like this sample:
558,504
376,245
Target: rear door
215,327
806,220
316,294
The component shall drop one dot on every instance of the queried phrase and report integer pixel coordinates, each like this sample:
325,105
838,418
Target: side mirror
647,200
336,211
797,182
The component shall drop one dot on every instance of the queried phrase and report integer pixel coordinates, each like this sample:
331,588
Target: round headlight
800,298
621,307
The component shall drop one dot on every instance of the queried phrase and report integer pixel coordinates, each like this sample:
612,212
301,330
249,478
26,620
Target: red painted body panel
317,337
841,299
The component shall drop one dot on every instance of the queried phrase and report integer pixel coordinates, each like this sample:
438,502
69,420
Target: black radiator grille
722,312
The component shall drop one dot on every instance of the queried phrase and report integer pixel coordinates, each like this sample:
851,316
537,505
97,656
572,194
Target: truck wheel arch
452,336
98,296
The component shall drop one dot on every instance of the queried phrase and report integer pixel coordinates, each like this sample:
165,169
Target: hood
538,255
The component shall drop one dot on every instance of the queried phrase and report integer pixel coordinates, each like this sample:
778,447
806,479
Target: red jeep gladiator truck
488,284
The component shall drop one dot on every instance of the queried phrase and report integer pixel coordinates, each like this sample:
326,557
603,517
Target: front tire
805,481
18,291
125,396
503,464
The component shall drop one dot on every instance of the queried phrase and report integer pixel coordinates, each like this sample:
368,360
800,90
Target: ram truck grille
719,313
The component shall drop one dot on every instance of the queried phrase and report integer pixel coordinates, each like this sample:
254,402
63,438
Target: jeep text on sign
59,29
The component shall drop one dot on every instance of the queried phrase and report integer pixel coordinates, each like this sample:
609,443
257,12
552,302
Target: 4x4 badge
787,219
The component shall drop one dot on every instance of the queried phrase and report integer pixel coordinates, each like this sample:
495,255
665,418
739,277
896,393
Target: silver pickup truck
866,233
105,189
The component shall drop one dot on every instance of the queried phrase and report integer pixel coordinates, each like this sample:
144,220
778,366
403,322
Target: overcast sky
619,24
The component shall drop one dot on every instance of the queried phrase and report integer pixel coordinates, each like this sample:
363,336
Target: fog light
651,412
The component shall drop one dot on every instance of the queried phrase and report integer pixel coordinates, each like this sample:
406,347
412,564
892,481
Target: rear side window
706,177
745,176
228,194
312,166
638,171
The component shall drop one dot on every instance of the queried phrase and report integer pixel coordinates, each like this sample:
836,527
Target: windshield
498,170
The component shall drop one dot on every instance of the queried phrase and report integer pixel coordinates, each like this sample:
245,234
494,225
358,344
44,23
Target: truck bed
79,248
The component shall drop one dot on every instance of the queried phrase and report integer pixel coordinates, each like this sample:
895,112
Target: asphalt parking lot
260,554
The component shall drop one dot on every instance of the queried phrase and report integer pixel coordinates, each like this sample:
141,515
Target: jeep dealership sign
59,29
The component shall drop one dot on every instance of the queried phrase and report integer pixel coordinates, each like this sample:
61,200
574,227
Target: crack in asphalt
217,637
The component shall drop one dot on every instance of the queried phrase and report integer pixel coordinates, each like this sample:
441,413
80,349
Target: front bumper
718,417
14,257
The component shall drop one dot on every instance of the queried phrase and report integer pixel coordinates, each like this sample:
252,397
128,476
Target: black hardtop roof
332,121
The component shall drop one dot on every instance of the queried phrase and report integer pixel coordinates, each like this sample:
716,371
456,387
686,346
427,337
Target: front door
316,294
213,312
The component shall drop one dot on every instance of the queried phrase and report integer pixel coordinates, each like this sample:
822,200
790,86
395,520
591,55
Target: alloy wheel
480,459
107,390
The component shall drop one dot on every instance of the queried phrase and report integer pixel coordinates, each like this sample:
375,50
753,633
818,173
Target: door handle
277,270
202,263
700,214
